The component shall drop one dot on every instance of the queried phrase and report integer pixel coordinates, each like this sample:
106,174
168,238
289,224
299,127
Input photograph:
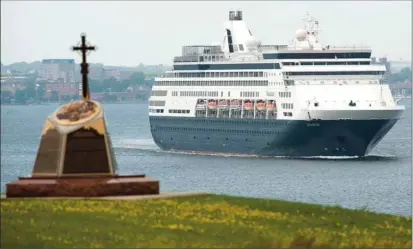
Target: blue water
380,182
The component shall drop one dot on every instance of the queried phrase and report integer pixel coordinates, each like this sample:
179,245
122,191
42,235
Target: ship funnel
235,15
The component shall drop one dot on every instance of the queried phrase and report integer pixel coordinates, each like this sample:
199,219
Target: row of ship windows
250,94
287,106
157,103
310,63
213,83
197,93
159,92
215,74
151,110
155,110
191,129
286,114
323,55
225,66
211,94
214,120
265,74
284,94
178,111
337,73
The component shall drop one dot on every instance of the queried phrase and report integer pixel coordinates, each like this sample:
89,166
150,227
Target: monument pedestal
75,158
82,186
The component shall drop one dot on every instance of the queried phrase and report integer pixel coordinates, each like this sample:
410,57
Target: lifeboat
260,106
271,106
223,104
235,104
212,104
200,104
248,106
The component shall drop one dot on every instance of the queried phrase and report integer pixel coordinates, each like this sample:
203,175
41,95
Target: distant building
62,88
11,86
12,76
125,75
96,73
109,73
57,70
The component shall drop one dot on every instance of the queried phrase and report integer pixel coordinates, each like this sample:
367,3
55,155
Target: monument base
82,186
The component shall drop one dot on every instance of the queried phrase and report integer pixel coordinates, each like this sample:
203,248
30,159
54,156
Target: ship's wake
148,145
135,144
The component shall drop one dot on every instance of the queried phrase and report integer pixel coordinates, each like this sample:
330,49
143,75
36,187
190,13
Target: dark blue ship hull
295,138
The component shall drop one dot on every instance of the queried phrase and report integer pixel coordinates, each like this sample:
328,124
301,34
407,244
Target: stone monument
75,155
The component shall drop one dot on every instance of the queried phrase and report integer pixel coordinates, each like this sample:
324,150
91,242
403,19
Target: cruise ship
304,99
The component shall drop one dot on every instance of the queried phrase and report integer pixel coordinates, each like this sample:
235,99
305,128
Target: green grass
213,221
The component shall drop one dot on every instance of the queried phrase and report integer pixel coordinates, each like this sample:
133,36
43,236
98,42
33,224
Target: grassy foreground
198,221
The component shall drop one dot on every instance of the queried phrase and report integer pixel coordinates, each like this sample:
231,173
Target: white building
58,70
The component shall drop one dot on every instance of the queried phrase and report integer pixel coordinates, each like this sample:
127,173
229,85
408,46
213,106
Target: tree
108,84
137,78
95,86
55,96
404,74
39,91
6,96
20,96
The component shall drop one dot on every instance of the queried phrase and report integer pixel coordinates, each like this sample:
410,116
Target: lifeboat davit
212,104
248,106
260,106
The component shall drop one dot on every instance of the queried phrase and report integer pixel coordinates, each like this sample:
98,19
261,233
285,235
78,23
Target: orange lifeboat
212,104
260,106
248,106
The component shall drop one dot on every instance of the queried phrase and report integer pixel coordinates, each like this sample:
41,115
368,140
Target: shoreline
62,103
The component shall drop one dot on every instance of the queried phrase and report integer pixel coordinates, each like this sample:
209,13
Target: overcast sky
133,32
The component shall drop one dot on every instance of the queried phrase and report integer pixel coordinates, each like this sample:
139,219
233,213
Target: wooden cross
84,66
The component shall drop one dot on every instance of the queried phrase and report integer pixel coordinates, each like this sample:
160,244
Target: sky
133,32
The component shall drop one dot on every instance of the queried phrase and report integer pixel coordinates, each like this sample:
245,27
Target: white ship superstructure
245,97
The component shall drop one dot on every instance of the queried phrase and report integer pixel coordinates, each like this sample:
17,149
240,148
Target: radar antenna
312,29
311,24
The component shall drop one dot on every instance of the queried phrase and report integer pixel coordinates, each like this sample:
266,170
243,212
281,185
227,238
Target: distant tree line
34,91
114,85
404,74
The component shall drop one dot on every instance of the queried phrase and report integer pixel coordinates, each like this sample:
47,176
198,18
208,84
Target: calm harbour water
380,182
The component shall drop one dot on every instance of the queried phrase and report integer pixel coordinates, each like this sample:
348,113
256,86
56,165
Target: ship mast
312,30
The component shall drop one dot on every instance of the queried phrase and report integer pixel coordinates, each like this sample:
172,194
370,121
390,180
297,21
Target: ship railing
264,48
197,50
274,48
200,58
329,48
